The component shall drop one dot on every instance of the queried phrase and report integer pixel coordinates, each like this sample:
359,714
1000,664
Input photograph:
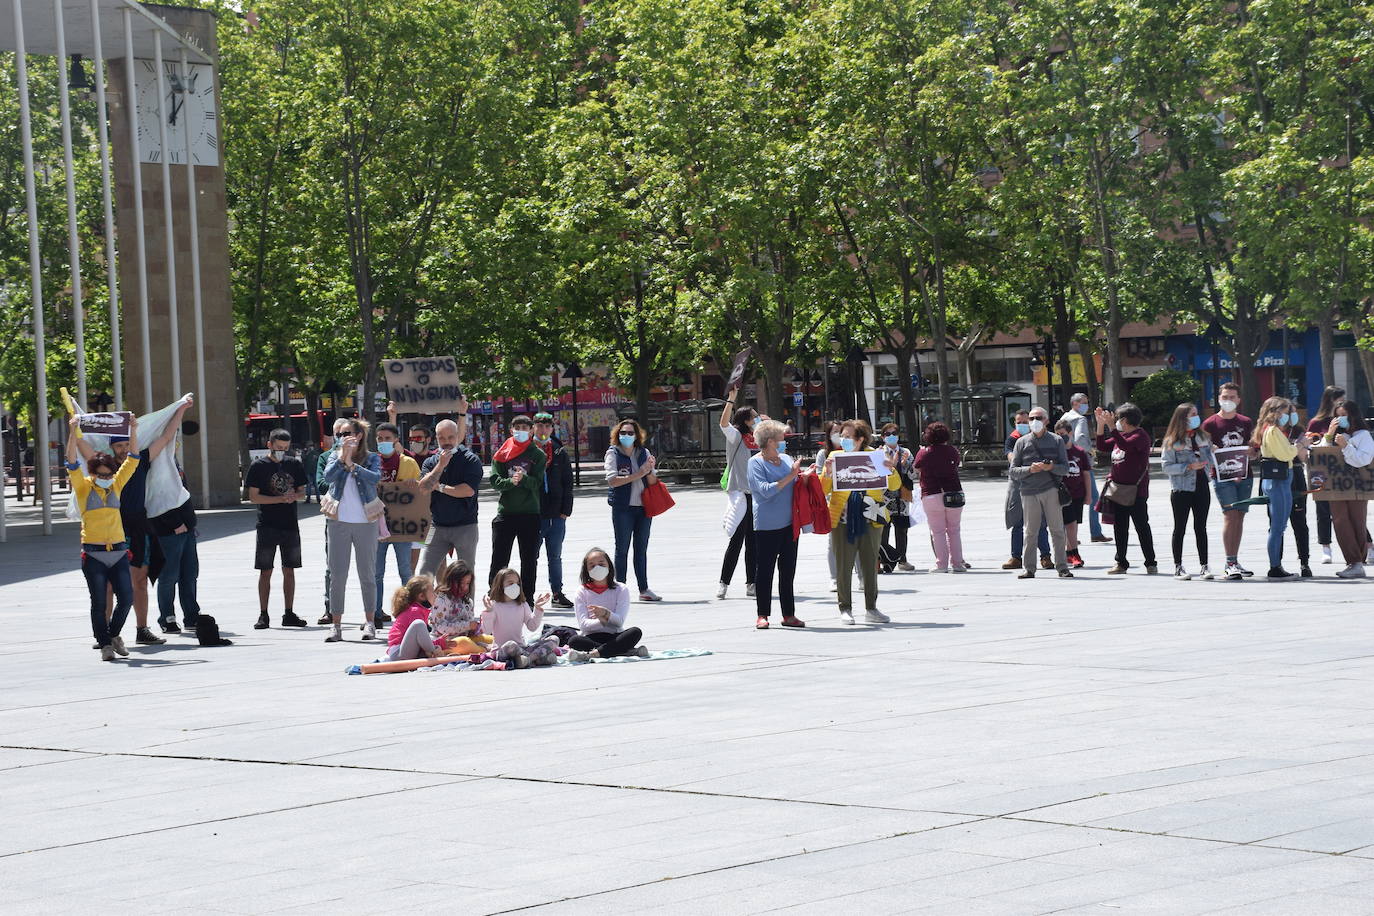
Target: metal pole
111,273
204,434
164,109
4,533
577,442
43,485
131,108
64,107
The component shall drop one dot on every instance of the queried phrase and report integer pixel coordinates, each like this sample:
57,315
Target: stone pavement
1106,745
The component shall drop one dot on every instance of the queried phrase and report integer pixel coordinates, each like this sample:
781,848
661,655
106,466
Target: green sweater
522,499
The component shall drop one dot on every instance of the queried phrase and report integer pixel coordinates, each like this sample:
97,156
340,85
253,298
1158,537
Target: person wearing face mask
628,465
1349,432
898,501
104,550
771,474
1080,435
1188,459
1277,454
353,473
1120,435
1038,463
396,466
602,606
340,429
856,526
737,426
276,484
1297,518
555,503
1317,427
517,474
1013,515
1229,429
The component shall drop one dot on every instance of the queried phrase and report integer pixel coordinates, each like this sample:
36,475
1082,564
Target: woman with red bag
628,463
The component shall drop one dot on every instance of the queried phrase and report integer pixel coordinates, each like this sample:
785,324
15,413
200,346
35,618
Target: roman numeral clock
188,107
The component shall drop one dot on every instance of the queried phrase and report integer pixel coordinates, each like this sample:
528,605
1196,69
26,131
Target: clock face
187,106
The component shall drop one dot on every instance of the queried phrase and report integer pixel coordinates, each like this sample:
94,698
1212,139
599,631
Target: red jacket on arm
809,506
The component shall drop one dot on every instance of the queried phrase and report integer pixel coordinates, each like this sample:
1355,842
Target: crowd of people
771,498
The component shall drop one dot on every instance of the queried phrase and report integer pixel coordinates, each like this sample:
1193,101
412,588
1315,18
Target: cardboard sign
110,423
1332,479
858,471
407,510
737,373
1232,463
424,384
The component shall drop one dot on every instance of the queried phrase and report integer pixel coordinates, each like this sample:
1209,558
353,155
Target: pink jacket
403,621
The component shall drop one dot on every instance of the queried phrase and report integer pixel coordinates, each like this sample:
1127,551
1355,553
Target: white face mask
1121,426
1037,425
599,573
1228,406
835,439
277,454
512,591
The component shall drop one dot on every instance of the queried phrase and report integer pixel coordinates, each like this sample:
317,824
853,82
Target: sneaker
1353,571
1369,557
1046,562
968,566
170,627
1118,570
117,643
1279,574
876,616
324,621
335,635
1065,574
1181,574
146,637
560,600
960,568
263,622
847,618
107,653
1305,571
1013,563
1204,572
749,590
1326,554
1243,571
577,656
647,595
1233,572
1028,574
938,569
289,619
369,631
382,619
761,623
1151,569
1101,539
96,645
834,586
638,652
795,623
720,592
1076,560
904,566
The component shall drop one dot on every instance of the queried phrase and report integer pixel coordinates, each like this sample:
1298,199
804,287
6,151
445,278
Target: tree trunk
1249,342
1062,336
312,414
910,421
1087,347
770,395
1326,335
856,371
644,382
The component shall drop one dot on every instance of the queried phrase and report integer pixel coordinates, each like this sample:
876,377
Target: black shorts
1073,513
269,539
140,537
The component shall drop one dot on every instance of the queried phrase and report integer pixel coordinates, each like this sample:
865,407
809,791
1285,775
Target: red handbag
656,498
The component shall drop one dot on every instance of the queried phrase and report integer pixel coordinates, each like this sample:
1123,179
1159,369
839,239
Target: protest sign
1232,463
407,510
858,471
424,384
1330,478
737,373
109,423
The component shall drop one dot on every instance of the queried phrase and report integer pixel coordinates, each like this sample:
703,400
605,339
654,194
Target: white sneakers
876,617
720,592
1181,574
370,630
1326,554
749,590
846,618
1353,571
1205,573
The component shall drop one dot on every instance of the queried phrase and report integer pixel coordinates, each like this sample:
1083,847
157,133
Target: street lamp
572,374
1214,335
856,358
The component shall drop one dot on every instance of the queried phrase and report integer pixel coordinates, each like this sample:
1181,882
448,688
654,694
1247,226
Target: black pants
507,530
1196,502
609,644
743,537
902,533
1121,529
777,550
1323,523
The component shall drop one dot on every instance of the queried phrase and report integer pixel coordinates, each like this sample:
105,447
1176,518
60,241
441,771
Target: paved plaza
1105,745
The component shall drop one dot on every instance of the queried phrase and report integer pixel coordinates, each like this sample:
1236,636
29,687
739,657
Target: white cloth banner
734,511
165,490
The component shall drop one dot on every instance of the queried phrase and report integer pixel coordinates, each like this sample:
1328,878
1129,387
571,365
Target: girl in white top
737,426
1349,432
602,605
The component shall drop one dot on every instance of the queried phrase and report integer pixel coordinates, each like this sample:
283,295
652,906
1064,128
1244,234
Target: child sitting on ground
409,637
508,614
601,606
454,626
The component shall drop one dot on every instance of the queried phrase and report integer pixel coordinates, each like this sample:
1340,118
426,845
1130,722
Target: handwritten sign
407,510
1333,479
858,471
112,423
424,384
1232,463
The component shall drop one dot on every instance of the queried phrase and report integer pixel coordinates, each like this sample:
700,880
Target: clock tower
175,121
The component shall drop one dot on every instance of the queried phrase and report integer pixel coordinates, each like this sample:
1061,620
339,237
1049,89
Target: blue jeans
403,568
1018,540
1280,493
1094,519
98,575
180,570
552,531
631,523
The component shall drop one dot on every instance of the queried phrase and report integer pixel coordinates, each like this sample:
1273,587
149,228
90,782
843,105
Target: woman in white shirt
737,426
1350,433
